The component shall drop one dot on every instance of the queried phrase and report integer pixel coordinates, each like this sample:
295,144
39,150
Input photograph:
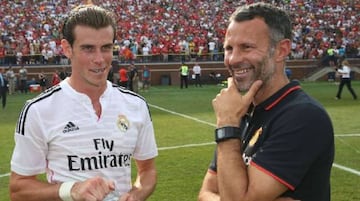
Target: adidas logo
70,127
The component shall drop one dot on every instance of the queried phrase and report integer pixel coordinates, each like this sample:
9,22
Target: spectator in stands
315,24
10,55
211,47
345,74
145,51
19,56
2,54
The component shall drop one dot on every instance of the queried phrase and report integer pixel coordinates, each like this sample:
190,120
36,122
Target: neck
268,89
93,92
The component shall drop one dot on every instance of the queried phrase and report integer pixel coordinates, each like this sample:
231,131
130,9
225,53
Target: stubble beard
263,71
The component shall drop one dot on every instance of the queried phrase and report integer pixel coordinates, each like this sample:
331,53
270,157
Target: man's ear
283,50
66,48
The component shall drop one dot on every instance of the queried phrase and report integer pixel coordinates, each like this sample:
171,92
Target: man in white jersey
345,73
84,132
197,72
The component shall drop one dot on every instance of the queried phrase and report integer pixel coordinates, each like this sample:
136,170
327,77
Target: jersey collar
276,98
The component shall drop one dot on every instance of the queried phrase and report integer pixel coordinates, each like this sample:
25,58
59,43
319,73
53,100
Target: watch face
225,133
220,133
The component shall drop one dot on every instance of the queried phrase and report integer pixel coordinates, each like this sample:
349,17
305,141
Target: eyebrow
89,45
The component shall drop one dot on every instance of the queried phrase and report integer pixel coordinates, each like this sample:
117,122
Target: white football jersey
58,133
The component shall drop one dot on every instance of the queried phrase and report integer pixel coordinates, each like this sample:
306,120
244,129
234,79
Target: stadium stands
173,30
162,33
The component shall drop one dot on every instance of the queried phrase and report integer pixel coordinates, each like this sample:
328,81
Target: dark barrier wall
168,73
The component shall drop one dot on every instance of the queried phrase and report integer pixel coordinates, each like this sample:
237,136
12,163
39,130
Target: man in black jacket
3,87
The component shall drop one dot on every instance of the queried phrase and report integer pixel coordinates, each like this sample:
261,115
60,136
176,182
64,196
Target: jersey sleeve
29,155
146,147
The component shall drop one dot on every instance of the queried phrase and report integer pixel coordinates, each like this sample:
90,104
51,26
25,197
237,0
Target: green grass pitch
184,124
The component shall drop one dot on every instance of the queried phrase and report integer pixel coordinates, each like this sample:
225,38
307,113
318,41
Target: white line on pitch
4,175
203,144
182,115
211,143
211,124
347,169
348,135
186,145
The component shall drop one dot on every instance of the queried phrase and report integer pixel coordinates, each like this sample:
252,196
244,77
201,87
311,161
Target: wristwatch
225,133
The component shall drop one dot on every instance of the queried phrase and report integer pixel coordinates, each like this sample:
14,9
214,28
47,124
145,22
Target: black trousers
184,81
347,82
197,80
23,86
3,91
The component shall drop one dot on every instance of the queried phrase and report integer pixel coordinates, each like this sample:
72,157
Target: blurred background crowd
161,30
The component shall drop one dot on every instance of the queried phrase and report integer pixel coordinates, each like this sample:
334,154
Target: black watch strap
225,133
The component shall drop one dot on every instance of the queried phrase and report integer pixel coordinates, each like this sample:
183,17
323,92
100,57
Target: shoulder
127,93
306,113
45,96
297,108
301,101
34,106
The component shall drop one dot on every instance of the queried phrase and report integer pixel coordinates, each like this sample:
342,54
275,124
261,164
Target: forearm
209,190
34,190
144,185
231,171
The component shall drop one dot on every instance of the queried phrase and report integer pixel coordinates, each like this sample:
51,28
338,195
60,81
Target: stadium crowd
155,30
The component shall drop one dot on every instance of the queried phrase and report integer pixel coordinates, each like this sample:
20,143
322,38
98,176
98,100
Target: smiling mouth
99,70
241,71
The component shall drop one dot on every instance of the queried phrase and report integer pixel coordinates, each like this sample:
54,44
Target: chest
80,120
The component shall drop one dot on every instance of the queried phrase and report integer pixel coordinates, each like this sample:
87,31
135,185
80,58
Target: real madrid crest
123,123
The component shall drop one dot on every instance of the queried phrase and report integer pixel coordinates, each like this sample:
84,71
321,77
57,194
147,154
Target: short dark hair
277,20
87,15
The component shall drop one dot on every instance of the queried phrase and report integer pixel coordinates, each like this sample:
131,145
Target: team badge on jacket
123,123
252,146
255,137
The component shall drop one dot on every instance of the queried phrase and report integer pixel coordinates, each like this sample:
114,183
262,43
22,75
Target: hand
94,189
230,105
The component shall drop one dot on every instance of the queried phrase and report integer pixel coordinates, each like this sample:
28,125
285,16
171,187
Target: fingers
105,186
230,82
111,185
96,188
124,197
253,89
230,105
250,94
